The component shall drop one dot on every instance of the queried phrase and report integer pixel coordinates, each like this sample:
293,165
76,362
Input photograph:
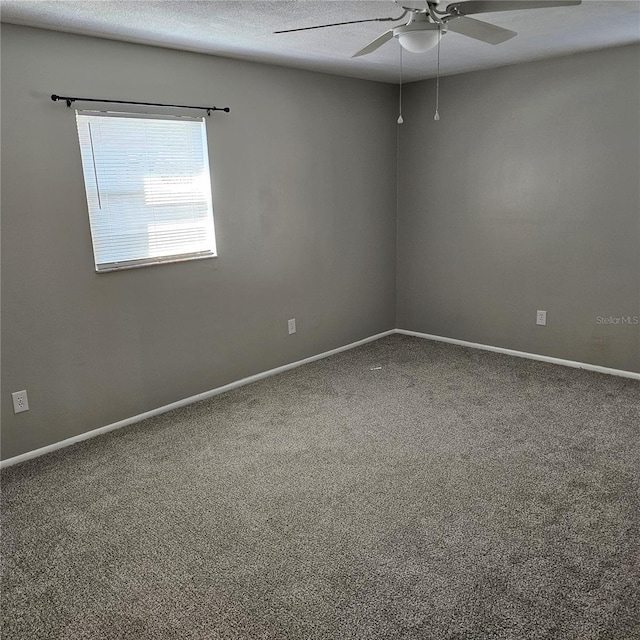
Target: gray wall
303,172
525,196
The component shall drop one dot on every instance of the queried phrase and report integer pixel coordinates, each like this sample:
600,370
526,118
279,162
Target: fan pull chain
400,118
437,115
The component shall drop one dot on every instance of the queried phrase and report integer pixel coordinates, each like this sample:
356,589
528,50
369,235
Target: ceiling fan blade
337,24
489,6
479,30
374,44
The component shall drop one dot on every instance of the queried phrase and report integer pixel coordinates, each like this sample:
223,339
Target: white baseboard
271,372
523,354
186,401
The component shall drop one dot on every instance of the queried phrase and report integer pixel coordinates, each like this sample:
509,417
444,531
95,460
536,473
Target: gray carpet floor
404,489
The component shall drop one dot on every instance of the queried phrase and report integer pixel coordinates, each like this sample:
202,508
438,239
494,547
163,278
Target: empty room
320,320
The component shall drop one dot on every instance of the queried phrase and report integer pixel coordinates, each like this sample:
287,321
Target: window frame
91,187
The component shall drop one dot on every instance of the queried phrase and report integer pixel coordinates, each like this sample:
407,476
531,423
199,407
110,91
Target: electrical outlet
292,326
541,317
20,401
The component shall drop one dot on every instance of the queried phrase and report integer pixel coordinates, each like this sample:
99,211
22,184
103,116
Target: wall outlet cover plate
20,401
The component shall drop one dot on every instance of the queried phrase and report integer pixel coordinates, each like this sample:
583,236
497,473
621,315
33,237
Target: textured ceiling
244,29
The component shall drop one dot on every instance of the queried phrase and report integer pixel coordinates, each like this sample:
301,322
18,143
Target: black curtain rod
70,100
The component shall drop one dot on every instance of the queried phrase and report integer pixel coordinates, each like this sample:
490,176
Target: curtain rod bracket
69,100
55,98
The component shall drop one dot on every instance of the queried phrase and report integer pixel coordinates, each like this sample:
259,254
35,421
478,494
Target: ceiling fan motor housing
416,5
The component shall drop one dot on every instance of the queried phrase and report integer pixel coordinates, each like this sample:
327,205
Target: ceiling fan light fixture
418,37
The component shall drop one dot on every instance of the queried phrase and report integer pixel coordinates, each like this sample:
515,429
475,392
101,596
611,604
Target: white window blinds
148,188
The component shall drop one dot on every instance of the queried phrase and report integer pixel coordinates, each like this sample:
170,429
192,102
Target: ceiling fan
427,23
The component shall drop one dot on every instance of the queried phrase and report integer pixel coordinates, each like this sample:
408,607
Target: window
148,188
